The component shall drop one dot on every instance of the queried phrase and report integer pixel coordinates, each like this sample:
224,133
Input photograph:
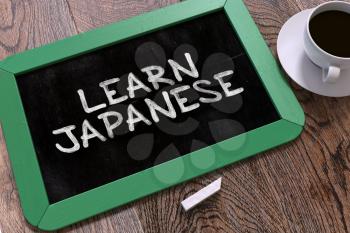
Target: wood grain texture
90,14
303,186
28,24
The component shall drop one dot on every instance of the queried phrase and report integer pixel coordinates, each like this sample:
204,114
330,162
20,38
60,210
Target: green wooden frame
34,201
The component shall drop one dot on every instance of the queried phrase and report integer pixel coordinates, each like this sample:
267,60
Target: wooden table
303,186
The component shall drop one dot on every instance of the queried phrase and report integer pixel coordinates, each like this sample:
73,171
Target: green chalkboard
109,116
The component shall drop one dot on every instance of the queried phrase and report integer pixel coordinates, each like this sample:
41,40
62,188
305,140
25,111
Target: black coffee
331,32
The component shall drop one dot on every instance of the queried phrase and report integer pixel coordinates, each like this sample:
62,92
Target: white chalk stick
201,195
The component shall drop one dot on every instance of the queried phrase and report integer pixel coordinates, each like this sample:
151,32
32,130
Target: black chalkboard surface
51,101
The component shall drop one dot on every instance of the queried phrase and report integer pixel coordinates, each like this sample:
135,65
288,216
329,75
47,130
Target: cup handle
331,74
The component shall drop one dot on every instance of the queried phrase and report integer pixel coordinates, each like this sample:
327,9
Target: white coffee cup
331,65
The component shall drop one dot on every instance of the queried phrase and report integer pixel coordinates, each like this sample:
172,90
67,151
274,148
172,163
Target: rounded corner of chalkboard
300,118
32,222
33,217
303,120
296,116
299,127
48,227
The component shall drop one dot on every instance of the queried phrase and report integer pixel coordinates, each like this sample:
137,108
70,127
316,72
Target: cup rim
308,29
